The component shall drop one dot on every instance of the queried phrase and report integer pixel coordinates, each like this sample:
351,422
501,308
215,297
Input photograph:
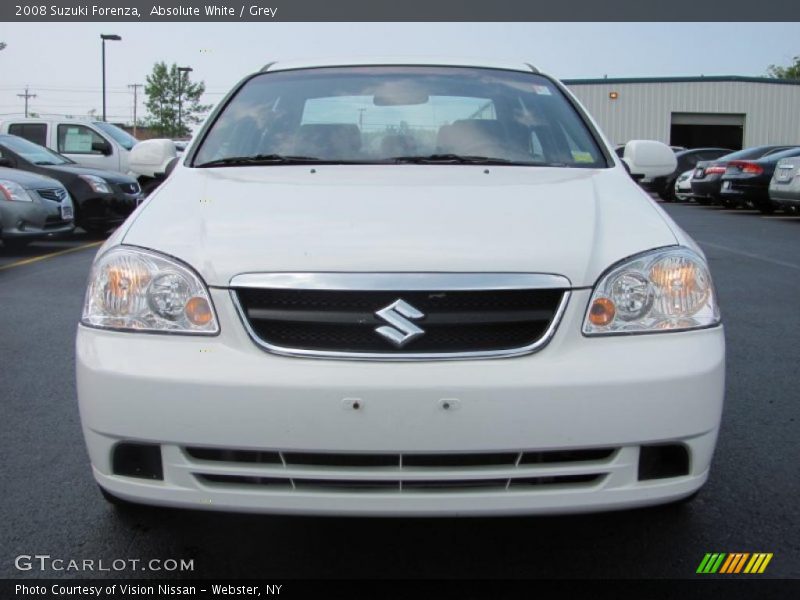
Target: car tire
669,191
728,203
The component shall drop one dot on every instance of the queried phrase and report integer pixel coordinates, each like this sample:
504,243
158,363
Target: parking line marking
780,263
34,259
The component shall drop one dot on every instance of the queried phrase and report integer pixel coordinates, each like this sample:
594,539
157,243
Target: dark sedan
687,159
746,182
103,199
707,178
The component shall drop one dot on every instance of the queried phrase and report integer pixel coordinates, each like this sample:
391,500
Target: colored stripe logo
734,563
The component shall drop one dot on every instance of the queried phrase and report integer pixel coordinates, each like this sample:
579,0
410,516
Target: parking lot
52,505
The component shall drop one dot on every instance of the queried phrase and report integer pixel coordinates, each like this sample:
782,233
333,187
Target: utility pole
26,95
134,87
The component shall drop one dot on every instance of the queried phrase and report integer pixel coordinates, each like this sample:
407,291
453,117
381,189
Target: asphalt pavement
51,505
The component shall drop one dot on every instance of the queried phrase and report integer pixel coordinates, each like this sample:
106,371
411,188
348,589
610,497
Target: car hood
28,180
412,218
110,176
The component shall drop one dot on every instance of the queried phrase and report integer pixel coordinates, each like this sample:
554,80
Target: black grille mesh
454,321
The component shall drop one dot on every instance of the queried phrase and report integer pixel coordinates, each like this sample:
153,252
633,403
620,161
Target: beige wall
643,110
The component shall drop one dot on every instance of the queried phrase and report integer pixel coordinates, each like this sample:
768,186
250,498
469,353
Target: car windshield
34,153
123,138
427,115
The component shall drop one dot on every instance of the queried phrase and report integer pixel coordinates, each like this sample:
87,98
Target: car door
86,146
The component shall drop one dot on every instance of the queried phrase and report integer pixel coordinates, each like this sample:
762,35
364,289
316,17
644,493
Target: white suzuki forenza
393,288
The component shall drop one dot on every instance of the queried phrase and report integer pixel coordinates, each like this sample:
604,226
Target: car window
123,138
34,132
376,114
79,139
776,150
38,155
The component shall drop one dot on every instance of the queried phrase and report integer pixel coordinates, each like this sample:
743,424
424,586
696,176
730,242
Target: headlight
98,184
669,289
14,192
140,290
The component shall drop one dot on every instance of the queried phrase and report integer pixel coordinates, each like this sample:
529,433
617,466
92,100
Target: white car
382,287
89,143
683,186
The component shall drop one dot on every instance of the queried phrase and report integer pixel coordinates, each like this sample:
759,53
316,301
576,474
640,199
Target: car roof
440,61
691,150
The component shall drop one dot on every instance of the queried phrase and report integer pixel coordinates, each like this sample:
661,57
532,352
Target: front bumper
33,220
109,209
577,393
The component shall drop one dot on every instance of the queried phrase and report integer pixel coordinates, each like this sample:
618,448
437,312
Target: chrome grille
55,194
129,188
404,316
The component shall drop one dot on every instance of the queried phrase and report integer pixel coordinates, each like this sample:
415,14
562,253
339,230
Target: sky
61,62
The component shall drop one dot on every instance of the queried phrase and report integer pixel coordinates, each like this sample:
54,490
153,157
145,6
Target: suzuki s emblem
397,314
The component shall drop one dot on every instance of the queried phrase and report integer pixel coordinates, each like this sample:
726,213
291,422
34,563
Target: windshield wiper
259,159
465,160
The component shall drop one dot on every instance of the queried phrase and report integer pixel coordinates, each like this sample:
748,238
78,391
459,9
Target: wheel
16,243
729,203
668,194
766,208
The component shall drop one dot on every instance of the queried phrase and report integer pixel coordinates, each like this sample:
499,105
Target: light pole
181,71
114,38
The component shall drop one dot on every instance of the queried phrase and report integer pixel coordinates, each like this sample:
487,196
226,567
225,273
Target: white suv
392,288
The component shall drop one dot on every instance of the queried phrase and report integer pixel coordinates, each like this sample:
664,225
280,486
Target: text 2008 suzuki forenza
401,289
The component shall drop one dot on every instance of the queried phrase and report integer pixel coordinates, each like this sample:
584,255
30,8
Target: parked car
89,143
784,188
478,313
707,178
103,199
746,182
32,207
683,186
687,159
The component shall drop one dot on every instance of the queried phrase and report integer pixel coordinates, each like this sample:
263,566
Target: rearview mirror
648,158
399,93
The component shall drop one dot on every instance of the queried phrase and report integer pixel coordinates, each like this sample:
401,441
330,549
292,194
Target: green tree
790,72
173,97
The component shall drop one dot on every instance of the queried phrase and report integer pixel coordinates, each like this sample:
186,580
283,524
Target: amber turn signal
198,311
602,312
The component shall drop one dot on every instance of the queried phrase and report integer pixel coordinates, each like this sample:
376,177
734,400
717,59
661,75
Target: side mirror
6,162
170,166
647,158
103,148
151,158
